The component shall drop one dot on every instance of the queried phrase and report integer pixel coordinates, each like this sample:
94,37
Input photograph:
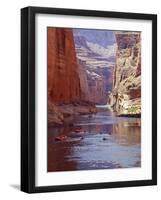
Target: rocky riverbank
58,114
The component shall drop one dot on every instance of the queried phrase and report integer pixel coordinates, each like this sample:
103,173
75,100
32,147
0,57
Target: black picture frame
28,98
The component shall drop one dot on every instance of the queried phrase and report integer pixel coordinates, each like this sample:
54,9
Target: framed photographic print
88,99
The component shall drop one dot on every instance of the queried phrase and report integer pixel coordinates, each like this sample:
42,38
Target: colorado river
95,141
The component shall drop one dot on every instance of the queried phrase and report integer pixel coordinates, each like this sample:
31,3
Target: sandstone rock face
126,95
63,77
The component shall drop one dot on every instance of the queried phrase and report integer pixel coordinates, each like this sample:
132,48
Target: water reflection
127,133
100,141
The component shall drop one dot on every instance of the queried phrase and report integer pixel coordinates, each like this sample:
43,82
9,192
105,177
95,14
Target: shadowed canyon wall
63,77
126,95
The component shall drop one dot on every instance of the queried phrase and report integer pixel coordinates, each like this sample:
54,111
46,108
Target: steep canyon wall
69,80
63,77
92,85
126,95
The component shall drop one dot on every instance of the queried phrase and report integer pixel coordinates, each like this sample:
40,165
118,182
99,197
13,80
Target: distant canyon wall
92,86
126,94
95,68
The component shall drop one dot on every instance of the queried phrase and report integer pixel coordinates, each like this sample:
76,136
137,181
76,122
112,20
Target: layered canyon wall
125,98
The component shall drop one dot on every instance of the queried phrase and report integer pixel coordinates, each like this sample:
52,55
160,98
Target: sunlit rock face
126,95
63,76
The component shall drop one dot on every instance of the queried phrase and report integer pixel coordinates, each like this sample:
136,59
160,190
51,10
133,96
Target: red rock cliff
63,78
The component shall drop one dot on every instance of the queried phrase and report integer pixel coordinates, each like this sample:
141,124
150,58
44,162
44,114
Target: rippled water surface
96,141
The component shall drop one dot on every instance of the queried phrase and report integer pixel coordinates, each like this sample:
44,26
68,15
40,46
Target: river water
95,141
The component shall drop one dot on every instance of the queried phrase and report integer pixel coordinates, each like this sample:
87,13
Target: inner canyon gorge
94,99
88,68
